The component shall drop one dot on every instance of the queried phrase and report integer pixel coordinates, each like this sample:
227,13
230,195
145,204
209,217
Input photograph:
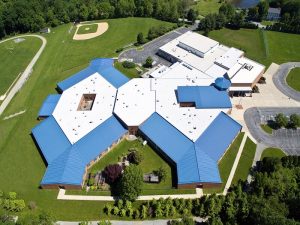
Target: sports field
86,29
21,165
293,79
262,46
204,7
14,58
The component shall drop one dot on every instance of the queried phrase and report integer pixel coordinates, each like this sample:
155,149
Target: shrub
136,214
128,65
294,120
131,183
148,63
112,173
135,157
1,194
12,195
115,210
140,38
84,223
104,222
108,208
119,50
161,173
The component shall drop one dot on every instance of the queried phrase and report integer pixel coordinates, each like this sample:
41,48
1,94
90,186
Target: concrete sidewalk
235,164
62,196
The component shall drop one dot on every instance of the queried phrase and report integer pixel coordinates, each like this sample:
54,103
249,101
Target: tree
43,218
263,7
227,10
281,120
112,173
131,183
149,62
192,15
135,156
295,120
140,38
161,173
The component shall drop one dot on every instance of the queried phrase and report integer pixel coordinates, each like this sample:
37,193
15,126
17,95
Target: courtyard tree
135,156
149,62
192,15
161,173
131,183
281,120
112,173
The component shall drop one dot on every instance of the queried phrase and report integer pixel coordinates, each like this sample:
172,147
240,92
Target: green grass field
21,165
205,7
293,79
129,72
245,162
152,161
14,58
272,152
87,29
277,47
226,163
266,128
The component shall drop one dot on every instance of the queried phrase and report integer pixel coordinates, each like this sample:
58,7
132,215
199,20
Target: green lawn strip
225,165
21,165
245,162
281,47
130,73
205,7
266,128
87,29
272,152
266,22
293,79
14,58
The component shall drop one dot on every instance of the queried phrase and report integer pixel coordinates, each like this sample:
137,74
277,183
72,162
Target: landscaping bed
272,152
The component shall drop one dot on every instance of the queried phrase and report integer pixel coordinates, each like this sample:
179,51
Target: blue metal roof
50,138
105,67
222,83
218,136
69,166
204,97
49,105
166,137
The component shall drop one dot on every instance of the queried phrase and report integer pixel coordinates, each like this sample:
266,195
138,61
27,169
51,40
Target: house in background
45,30
273,14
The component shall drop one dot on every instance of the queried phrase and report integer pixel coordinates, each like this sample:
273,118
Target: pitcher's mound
102,27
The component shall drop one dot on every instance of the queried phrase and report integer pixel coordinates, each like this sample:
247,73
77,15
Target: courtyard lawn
226,163
21,165
266,128
272,152
245,162
129,72
205,7
87,29
293,79
262,46
14,58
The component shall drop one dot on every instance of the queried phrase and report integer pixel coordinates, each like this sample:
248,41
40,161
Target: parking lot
151,48
286,139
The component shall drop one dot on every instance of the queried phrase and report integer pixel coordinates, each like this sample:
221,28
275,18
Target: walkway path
62,196
279,80
26,72
235,164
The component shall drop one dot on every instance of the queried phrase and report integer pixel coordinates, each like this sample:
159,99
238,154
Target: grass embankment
205,7
262,47
266,128
14,58
21,165
87,29
245,162
226,163
293,79
272,152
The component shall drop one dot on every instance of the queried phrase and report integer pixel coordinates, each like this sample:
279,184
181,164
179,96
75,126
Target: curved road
25,75
279,80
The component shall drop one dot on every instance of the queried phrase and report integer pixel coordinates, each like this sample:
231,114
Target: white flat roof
248,73
230,58
135,101
190,121
159,72
216,71
197,41
76,124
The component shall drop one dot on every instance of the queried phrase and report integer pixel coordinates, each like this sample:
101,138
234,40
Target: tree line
19,16
272,198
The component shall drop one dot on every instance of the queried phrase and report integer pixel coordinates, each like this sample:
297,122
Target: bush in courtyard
104,222
12,195
281,120
112,173
140,38
161,173
135,156
131,183
294,121
128,65
148,63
